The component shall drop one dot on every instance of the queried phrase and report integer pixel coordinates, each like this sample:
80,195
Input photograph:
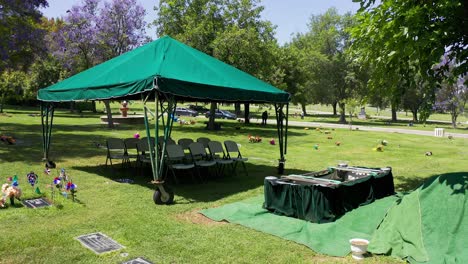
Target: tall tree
452,95
333,79
395,36
230,30
92,34
20,35
12,84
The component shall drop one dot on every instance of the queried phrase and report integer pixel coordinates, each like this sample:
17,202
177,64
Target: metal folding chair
234,153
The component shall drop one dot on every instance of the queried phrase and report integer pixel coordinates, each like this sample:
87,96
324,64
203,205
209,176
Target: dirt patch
195,217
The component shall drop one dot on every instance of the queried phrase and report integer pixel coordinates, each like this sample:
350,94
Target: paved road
365,128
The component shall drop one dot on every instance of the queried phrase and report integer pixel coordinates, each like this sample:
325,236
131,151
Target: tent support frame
281,120
165,106
47,118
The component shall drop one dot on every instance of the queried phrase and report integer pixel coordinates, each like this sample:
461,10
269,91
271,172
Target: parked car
180,111
198,108
223,114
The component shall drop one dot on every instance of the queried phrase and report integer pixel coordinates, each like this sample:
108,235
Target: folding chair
170,141
200,158
232,148
143,151
175,160
184,143
116,150
217,154
204,141
131,148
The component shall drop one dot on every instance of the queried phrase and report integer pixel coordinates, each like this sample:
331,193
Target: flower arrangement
255,139
379,148
10,191
8,140
33,179
64,184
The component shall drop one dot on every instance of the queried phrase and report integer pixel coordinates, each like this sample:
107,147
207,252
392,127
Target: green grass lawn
176,234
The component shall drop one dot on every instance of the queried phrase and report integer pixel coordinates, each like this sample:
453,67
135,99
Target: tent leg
163,194
280,116
47,118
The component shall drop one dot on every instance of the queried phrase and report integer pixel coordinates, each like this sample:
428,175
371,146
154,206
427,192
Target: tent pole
286,132
47,110
148,135
163,194
156,138
171,106
280,130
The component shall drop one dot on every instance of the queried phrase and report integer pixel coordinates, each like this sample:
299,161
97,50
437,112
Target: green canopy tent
168,71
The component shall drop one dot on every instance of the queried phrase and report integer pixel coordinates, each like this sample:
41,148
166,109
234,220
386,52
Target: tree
92,34
44,72
20,35
303,69
395,36
332,75
230,30
421,30
12,84
452,94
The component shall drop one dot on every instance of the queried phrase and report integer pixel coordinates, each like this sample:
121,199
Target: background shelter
167,71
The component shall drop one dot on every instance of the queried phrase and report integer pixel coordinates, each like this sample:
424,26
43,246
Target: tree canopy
20,35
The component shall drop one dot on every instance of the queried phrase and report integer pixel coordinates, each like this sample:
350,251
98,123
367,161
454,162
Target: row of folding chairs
202,153
189,154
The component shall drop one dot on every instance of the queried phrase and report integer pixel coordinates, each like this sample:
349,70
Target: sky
290,16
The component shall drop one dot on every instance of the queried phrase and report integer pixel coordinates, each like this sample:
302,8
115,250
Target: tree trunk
394,113
237,108
454,115
211,120
72,107
110,122
415,115
2,101
93,107
334,108
342,119
247,113
303,107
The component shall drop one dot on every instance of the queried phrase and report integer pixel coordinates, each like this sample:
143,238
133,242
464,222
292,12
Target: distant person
302,115
264,117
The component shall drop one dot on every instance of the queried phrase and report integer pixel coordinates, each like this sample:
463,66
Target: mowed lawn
176,233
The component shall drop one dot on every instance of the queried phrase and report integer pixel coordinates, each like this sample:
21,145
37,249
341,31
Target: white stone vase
358,247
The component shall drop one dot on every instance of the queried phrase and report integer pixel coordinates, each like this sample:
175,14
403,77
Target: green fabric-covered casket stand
322,204
329,238
428,225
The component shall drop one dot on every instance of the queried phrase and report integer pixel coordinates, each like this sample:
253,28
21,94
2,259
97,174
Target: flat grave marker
138,260
36,203
99,243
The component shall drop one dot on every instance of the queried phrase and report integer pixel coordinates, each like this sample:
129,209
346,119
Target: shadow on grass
457,181
80,141
212,189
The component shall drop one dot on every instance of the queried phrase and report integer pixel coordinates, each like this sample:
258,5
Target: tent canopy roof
170,67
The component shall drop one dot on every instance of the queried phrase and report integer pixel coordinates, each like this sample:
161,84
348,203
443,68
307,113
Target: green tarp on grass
330,238
428,225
